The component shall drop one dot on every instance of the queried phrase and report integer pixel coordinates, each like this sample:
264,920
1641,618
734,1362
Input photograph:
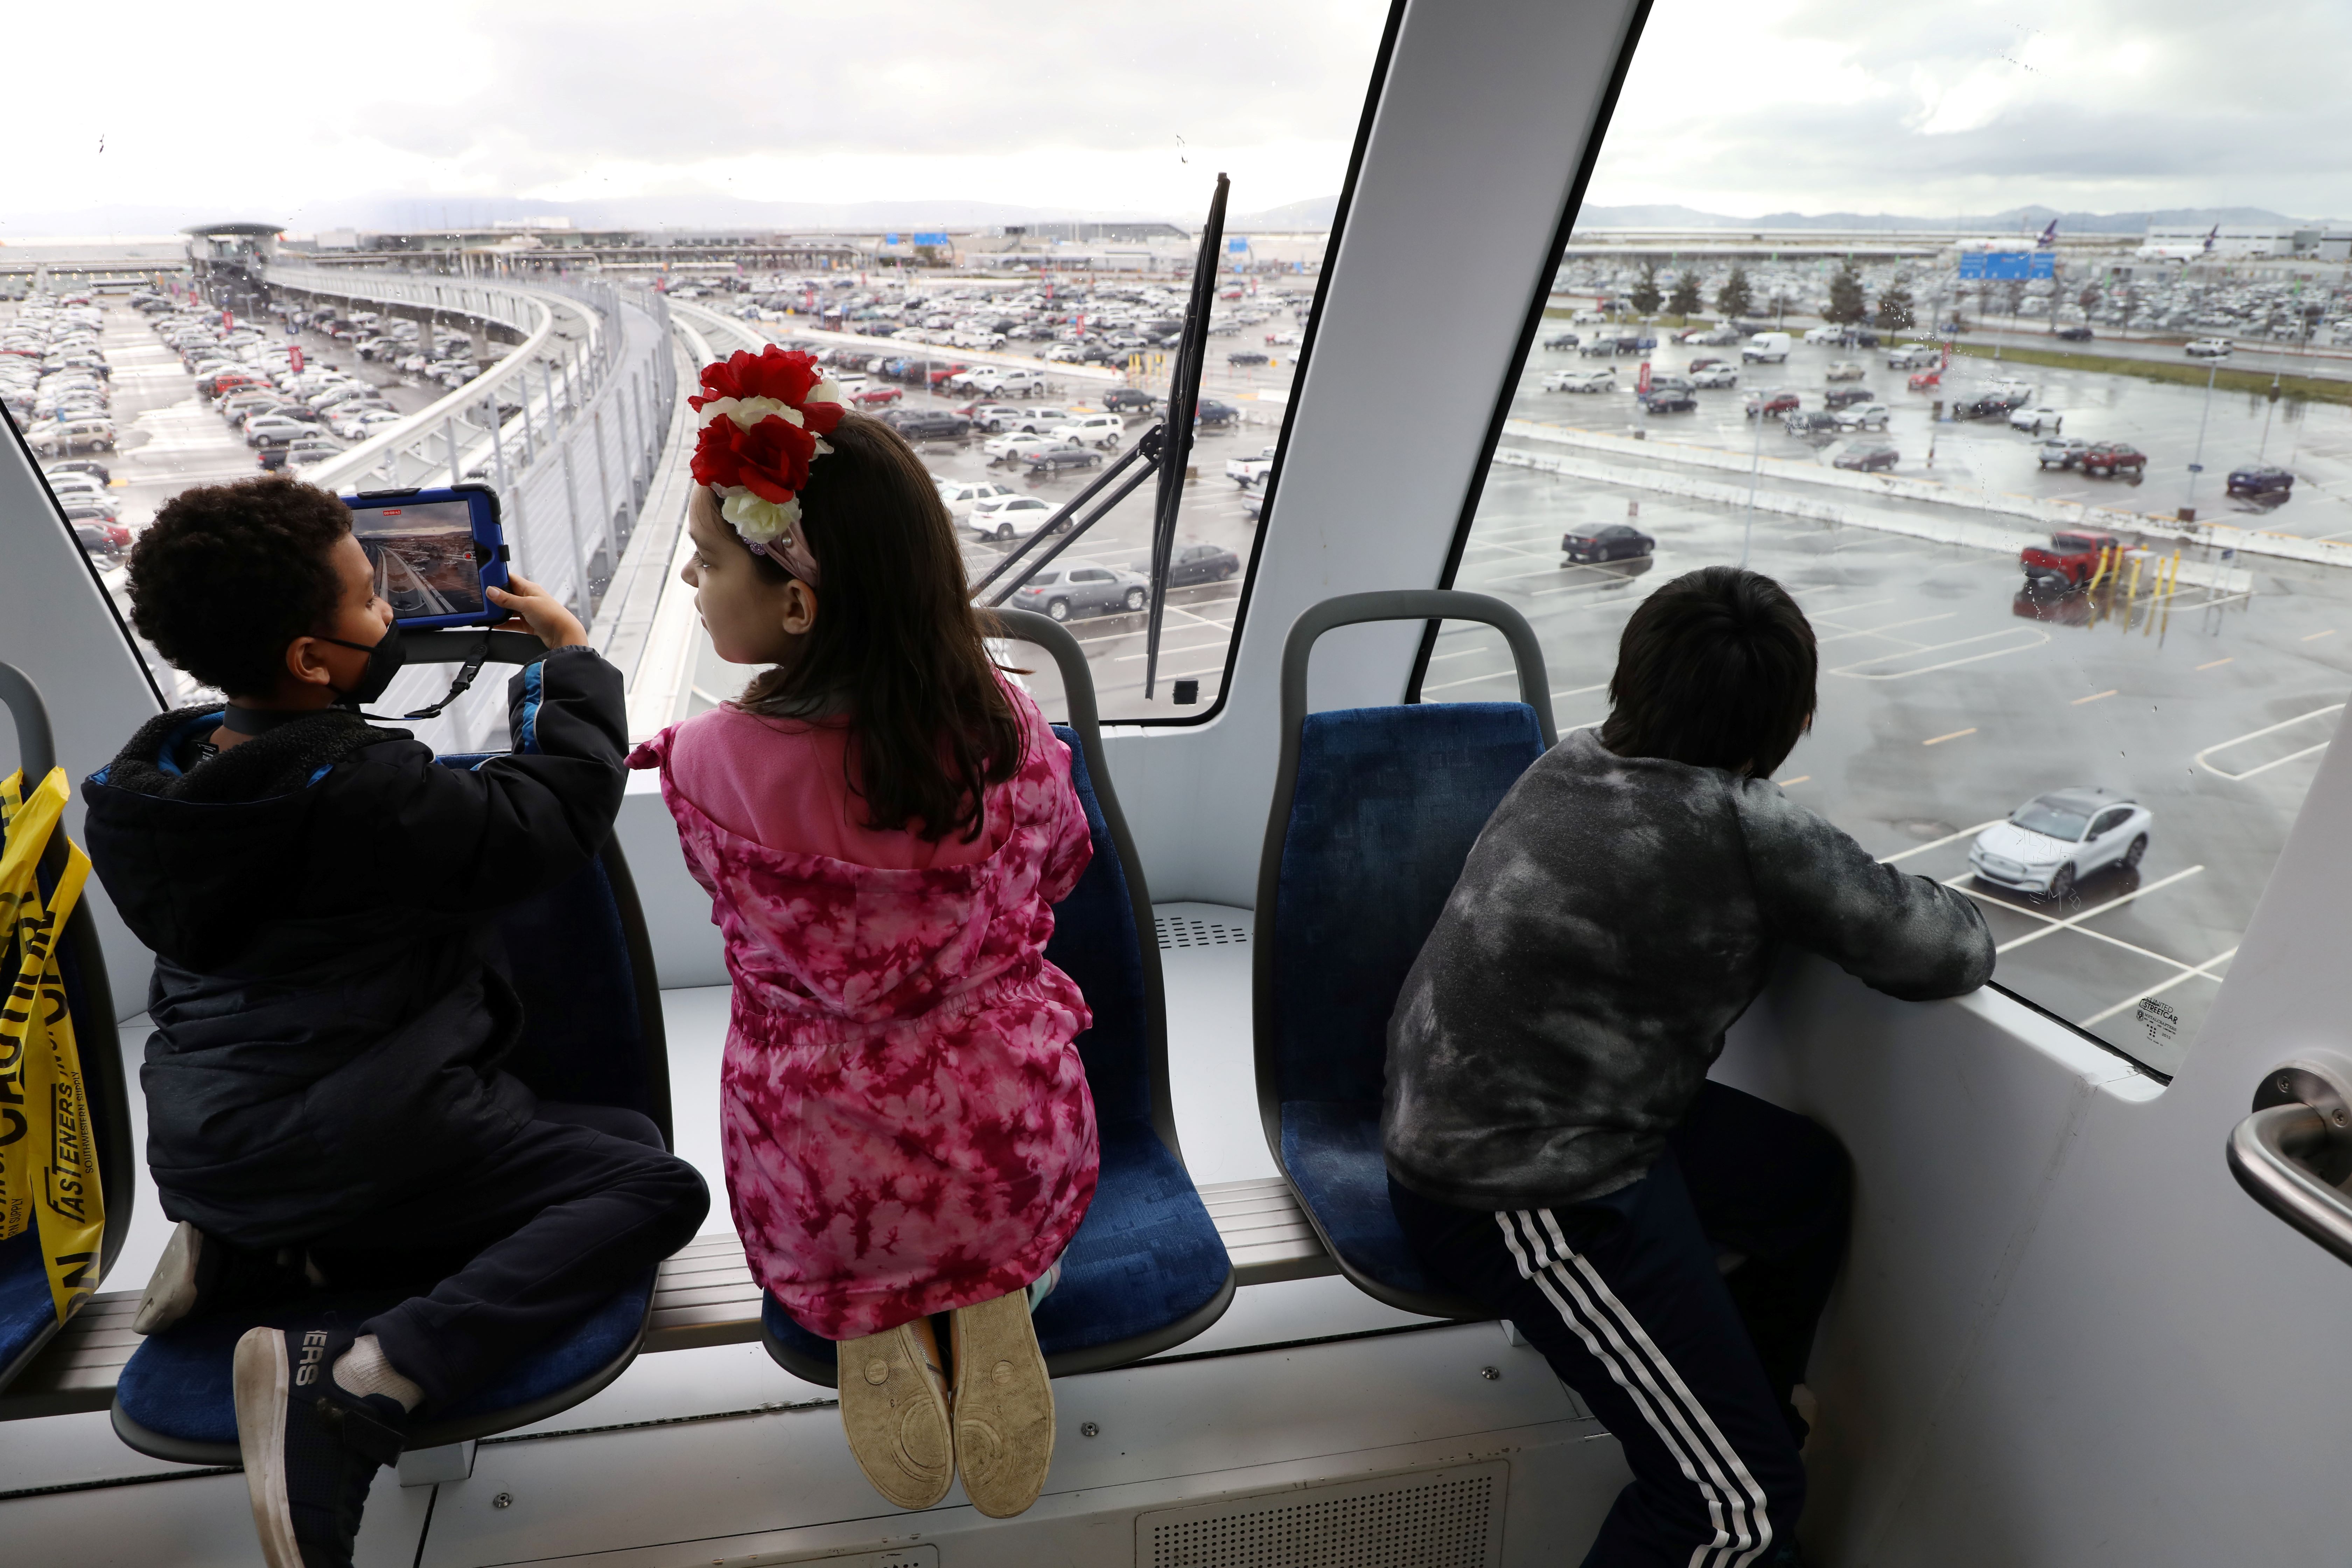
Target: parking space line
1507,670
1955,735
2203,972
2216,663
2316,636
1939,843
2039,638
1891,625
1801,778
2094,697
2072,921
2258,734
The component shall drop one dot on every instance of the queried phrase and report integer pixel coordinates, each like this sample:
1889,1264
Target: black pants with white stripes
1681,1309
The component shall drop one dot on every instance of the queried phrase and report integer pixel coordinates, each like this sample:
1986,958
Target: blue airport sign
889,240
938,237
2010,266
1236,244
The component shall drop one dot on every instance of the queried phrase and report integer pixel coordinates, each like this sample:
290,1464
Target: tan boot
894,1407
1003,1405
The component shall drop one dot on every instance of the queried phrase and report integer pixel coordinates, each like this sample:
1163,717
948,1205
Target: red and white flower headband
765,418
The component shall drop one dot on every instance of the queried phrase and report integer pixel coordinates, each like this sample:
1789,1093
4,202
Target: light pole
1755,465
2198,466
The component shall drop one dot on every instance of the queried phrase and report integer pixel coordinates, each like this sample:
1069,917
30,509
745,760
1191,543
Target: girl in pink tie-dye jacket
884,824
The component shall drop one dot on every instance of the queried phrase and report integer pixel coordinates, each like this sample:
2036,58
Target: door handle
2293,1153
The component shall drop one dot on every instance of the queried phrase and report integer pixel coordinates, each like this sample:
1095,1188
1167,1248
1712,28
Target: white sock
362,1370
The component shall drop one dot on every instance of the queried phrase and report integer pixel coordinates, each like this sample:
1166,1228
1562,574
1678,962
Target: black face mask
386,658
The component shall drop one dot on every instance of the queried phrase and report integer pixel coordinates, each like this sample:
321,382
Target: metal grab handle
2263,1151
2301,1120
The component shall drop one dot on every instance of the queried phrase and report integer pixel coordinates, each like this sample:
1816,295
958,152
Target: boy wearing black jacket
323,1090
1555,1149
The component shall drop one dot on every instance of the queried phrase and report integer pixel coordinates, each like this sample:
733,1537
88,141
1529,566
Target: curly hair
228,575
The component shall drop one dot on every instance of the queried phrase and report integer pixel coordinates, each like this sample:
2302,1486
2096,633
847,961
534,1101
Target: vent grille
1438,1518
1182,931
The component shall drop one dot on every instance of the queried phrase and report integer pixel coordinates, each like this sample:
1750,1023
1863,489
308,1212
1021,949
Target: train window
484,279
2055,448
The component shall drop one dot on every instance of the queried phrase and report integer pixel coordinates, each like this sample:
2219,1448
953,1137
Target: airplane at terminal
2101,1217
2180,252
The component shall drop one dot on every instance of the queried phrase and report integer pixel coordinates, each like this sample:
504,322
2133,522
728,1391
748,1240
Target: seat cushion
1095,942
1146,1256
1332,1150
178,1383
26,1314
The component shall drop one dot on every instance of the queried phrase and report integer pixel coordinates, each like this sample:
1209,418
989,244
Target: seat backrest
1375,810
581,960
1103,934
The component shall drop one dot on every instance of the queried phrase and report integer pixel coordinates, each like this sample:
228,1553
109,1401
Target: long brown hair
896,641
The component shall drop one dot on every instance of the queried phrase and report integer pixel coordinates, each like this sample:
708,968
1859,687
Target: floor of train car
739,1446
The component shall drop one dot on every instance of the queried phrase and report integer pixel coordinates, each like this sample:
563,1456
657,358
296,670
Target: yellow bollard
2172,577
2133,591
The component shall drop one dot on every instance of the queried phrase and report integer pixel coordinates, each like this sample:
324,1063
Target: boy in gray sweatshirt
1555,1149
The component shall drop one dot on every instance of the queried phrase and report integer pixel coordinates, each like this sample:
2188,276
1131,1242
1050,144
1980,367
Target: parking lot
1947,701
2314,440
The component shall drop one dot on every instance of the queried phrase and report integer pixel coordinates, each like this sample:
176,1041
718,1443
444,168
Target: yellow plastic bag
48,1164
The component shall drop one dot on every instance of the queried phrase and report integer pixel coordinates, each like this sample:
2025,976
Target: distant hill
1316,213
2021,219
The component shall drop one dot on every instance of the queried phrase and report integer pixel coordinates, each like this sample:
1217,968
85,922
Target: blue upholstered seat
592,1035
177,1386
25,1315
1147,1268
1383,806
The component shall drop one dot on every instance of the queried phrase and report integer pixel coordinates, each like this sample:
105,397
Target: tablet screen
424,557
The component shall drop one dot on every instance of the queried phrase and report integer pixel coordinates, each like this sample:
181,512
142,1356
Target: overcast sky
1087,104
1936,107
1733,106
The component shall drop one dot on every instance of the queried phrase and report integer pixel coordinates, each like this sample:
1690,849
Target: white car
1716,375
2034,420
2209,348
1017,447
1863,416
1102,430
2054,840
1009,516
1826,335
1580,381
962,494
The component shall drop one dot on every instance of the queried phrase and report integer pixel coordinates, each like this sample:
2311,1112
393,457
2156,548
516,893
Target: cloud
1854,105
1071,103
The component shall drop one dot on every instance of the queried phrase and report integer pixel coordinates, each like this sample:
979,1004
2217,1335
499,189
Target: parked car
1130,399
1069,588
1845,370
2033,419
2209,348
2053,840
1245,357
61,437
961,494
1990,405
1716,375
1610,541
2075,335
875,396
1099,431
1009,516
1669,400
2101,459
1055,456
1016,448
1559,340
2061,451
1722,336
1580,381
96,543
1838,398
1874,458
1193,564
1248,472
1863,416
1809,423
1769,403
2262,480
927,423
1212,414
96,470
1915,356
2069,561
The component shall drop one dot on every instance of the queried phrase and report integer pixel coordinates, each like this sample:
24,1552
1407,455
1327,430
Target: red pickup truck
2069,561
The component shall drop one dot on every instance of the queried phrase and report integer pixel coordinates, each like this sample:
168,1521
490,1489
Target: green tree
1736,297
1687,297
1645,296
1847,305
1895,307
